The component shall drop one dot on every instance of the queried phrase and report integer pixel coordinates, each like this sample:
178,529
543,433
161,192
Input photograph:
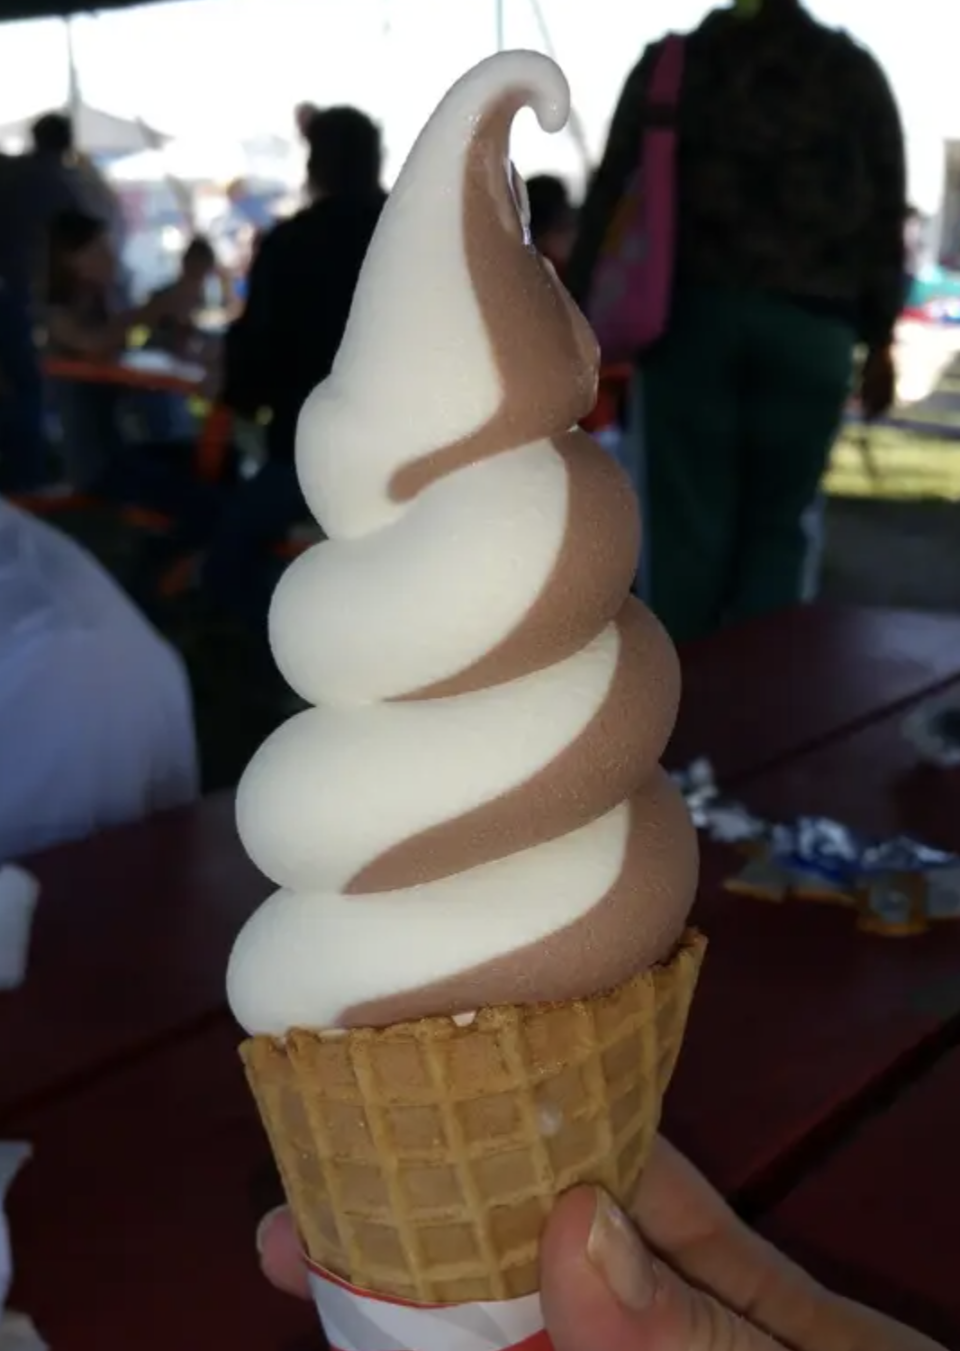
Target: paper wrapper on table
420,1160
19,891
16,1332
357,1320
12,1156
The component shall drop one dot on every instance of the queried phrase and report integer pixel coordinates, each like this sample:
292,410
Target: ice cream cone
421,1159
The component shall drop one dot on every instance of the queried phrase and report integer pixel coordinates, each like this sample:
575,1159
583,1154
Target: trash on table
898,887
933,730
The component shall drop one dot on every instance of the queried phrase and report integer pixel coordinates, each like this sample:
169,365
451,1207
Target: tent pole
577,133
74,99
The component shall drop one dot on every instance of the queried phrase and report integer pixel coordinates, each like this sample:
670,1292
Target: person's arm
883,250
100,342
610,180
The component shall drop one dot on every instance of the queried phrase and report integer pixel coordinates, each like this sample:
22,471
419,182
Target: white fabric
96,723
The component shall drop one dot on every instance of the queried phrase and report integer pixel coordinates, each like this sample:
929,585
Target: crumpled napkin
16,1332
18,899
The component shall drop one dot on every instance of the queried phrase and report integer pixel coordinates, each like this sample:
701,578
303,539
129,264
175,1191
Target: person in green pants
744,395
789,251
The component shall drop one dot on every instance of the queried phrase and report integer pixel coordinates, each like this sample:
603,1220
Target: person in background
791,200
51,164
168,417
553,221
176,331
82,321
81,317
70,180
23,450
34,188
300,291
96,721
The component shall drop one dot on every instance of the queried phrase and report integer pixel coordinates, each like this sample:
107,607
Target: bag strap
666,78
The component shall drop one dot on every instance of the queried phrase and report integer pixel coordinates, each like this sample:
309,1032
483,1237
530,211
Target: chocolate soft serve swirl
472,812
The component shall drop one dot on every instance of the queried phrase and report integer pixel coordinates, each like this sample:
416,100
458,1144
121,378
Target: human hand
685,1275
878,383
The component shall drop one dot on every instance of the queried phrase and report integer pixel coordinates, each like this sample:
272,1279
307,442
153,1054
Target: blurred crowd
789,261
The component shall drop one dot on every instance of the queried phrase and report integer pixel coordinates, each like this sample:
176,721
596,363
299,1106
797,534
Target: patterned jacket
791,168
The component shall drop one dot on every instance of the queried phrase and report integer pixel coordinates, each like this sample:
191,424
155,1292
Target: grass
909,465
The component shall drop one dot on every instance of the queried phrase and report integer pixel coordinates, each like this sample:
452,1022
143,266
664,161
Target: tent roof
45,9
96,132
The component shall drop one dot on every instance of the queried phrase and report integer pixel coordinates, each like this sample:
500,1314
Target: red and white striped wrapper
357,1320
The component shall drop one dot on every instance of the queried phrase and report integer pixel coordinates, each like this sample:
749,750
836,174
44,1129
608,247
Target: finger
685,1220
281,1257
601,1287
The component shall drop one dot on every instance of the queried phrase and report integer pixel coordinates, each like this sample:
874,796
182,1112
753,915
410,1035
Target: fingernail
264,1227
621,1259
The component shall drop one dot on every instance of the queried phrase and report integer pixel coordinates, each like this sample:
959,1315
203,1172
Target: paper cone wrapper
357,1320
420,1160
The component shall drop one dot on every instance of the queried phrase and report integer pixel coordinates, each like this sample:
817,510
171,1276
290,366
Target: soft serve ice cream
472,812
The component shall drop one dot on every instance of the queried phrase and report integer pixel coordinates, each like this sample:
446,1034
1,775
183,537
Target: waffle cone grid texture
421,1160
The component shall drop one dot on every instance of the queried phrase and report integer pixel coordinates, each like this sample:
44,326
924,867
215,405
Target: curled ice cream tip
450,293
473,812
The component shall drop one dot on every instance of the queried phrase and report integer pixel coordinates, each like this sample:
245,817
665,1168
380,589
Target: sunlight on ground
906,464
914,463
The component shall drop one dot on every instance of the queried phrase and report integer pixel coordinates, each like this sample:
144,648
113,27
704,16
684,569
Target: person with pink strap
735,244
683,1273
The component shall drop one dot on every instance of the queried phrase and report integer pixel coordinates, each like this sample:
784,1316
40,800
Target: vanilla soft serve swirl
473,811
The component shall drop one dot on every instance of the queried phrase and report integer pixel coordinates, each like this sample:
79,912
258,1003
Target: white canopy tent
97,133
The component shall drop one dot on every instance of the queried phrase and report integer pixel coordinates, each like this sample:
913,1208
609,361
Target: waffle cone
420,1160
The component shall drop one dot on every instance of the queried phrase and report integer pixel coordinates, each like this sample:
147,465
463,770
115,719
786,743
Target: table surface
756,694
129,1057
129,947
134,1224
880,1218
165,898
841,1011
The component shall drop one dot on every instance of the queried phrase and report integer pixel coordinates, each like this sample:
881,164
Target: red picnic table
815,1016
759,692
879,1217
144,368
136,369
134,1223
167,896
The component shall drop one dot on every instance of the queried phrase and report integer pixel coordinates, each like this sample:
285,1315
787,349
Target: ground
893,510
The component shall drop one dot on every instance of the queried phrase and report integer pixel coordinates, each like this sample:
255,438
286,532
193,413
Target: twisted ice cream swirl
473,812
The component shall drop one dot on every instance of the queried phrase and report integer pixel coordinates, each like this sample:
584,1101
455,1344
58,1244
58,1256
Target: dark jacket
791,171
33,190
301,288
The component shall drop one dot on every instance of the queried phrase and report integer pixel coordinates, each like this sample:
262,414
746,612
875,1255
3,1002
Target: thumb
603,1291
